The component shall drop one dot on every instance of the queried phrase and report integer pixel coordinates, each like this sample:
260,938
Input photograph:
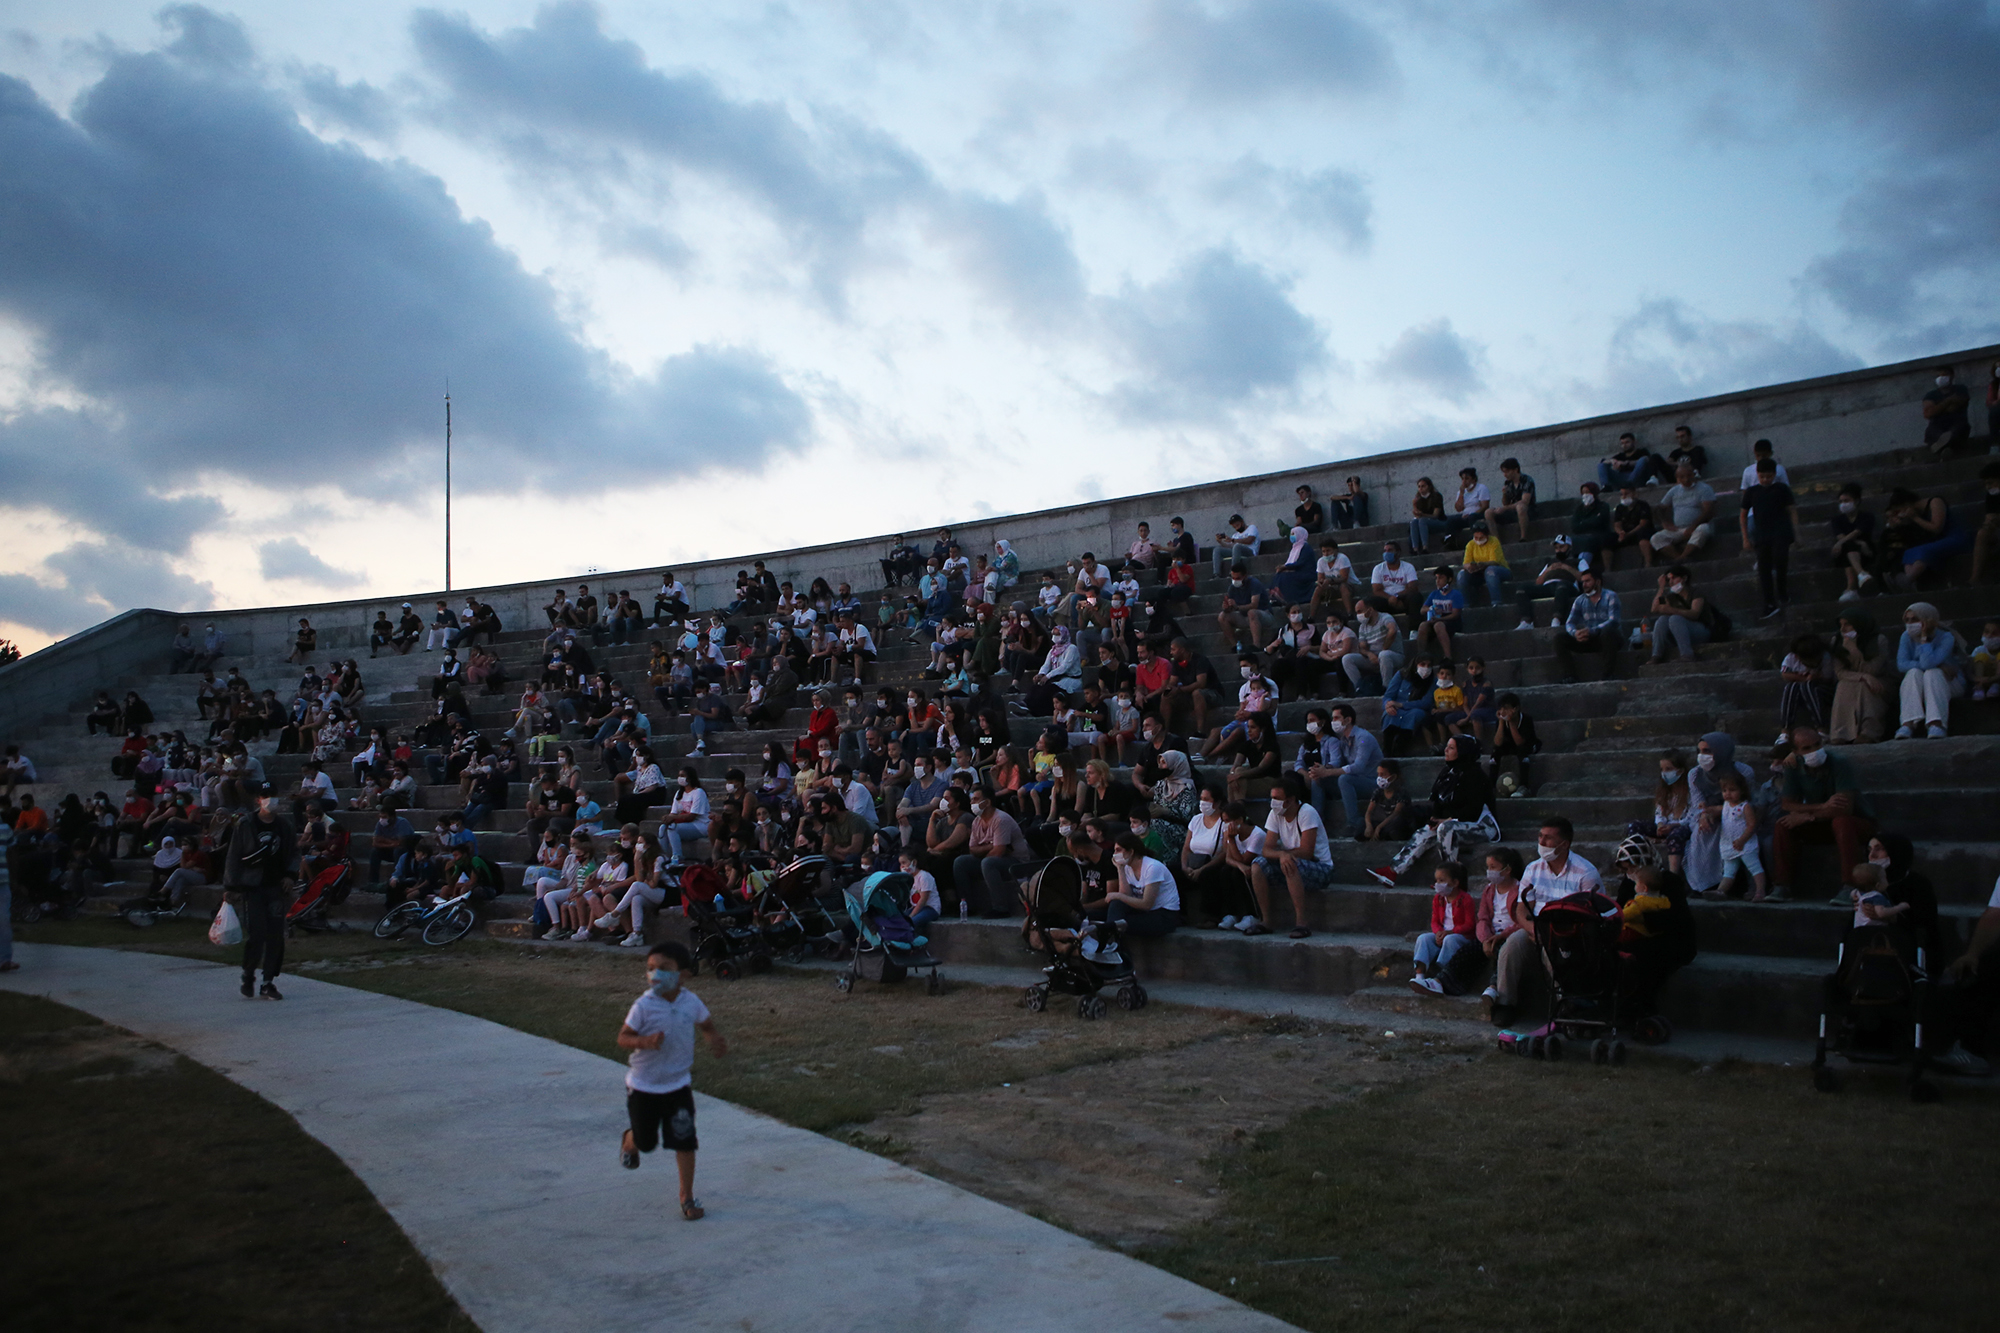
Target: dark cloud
1258,49
289,558
359,107
1218,332
96,580
1665,352
1330,203
237,298
1435,356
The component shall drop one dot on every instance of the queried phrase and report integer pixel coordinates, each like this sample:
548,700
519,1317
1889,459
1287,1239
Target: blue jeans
1423,529
1349,511
1496,583
1355,791
1225,556
1685,634
1436,958
1611,478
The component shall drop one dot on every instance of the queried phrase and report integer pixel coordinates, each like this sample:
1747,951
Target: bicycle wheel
397,920
448,926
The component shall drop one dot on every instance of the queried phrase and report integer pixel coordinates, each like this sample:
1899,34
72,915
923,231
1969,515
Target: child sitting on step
1454,931
1800,702
1387,818
1984,664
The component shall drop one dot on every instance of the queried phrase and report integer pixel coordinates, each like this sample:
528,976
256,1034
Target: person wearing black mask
259,874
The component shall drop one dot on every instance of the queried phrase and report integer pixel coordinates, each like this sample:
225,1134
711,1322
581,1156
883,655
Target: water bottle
964,910
718,902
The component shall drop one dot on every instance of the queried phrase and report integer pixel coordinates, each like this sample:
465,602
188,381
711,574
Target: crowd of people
1134,771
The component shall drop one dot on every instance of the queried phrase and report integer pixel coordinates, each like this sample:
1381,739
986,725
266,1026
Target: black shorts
662,1118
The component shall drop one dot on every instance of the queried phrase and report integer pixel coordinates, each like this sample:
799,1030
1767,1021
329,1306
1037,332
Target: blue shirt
1443,602
1597,616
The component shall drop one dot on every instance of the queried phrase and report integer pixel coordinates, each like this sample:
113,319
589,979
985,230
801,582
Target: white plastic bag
225,930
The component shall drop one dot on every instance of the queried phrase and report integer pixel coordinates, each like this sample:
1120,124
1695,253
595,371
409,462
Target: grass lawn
143,1191
1340,1179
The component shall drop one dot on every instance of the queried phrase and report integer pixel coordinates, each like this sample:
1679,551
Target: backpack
1717,620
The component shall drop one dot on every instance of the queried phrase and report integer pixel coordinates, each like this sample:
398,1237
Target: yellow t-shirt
1485,551
1445,699
1642,906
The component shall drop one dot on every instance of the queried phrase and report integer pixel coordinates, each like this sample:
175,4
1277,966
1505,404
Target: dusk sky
709,279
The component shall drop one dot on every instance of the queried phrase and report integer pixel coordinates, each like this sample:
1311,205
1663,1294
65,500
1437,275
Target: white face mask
979,808
1424,672
921,769
1249,673
1494,874
1882,862
1704,761
1813,758
1847,506
1065,829
1587,498
1312,727
1340,726
1943,380
1991,643
1670,776
1855,634
1547,853
1381,782
1120,859
729,787
1676,587
1208,807
1441,887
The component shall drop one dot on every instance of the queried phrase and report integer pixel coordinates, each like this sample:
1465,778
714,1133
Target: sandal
691,1209
1300,932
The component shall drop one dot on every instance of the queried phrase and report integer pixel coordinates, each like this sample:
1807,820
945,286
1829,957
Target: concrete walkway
497,1153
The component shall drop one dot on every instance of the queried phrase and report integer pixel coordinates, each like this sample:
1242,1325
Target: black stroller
790,915
1083,955
1578,937
720,933
890,946
1874,1007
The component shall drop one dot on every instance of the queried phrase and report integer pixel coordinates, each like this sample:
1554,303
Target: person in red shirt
1179,586
1454,929
132,818
1153,676
821,723
33,821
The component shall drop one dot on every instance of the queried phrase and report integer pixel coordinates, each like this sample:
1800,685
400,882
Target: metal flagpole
447,486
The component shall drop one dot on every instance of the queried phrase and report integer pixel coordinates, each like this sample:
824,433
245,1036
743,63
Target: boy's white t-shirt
1289,832
1340,569
924,893
670,1068
1750,476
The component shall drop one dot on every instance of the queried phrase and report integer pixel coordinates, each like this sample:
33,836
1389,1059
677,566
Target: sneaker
1777,893
269,991
1227,923
1904,732
1555,622
606,922
1525,624
250,988
633,941
1845,898
698,752
556,933
1865,580
1850,596
1773,613
1934,732
1428,984
1489,994
1962,1062
1385,876
628,1156
1783,736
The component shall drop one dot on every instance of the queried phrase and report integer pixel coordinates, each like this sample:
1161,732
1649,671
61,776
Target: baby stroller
323,892
1083,955
890,947
790,914
1874,1008
723,933
1578,937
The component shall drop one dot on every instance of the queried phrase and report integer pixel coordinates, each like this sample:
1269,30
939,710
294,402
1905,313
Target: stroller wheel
1090,1007
842,983
1538,1047
1653,1030
726,970
1037,998
1555,1047
1600,1052
1126,999
1618,1053
1825,1080
1139,996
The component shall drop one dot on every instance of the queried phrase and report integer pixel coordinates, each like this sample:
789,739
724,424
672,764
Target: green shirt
1815,786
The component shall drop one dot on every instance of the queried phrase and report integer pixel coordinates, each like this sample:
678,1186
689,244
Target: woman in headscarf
1460,801
1006,564
1861,682
1912,900
1061,671
1715,754
1930,661
1296,577
1168,783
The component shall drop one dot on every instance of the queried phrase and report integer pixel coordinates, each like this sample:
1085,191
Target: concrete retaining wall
1835,416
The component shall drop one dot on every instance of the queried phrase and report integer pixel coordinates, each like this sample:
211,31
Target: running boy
659,1097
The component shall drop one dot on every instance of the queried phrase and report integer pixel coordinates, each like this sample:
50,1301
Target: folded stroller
790,914
1083,954
1578,937
1874,1007
323,892
890,946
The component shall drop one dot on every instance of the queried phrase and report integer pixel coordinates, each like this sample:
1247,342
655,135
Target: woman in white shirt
689,816
1146,901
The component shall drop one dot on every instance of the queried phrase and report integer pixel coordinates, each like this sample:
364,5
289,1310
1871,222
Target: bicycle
448,920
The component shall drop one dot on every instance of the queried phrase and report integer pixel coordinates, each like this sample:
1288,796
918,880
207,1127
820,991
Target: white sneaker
1244,923
1783,736
1960,1061
1431,984
1850,596
557,933
1555,622
1904,732
1227,923
633,940
1935,731
606,922
1525,624
1490,994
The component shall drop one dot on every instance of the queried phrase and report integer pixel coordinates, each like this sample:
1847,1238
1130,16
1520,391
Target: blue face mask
666,982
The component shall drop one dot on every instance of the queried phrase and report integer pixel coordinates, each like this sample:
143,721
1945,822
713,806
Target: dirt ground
1126,1152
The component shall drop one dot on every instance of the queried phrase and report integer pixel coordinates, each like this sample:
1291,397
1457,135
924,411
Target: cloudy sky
716,278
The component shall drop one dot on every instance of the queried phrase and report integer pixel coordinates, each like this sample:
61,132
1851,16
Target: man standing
1555,875
260,872
1947,423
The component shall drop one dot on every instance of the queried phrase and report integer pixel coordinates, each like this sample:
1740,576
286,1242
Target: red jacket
1486,931
1464,914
